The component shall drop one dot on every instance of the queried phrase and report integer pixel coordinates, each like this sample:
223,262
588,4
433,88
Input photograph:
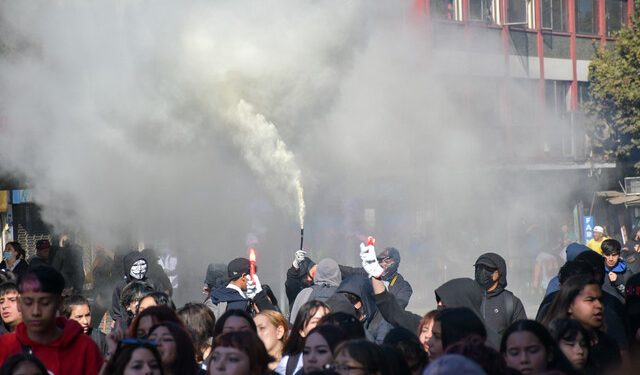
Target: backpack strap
509,304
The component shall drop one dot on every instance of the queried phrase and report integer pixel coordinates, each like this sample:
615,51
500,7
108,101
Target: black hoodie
500,307
375,325
127,263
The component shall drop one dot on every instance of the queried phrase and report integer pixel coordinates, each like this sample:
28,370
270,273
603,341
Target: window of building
583,92
517,12
586,16
481,10
616,13
443,9
555,15
557,96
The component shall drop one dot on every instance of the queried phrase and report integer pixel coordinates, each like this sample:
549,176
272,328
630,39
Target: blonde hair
278,320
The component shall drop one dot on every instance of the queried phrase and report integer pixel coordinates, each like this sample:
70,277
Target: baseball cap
237,267
598,229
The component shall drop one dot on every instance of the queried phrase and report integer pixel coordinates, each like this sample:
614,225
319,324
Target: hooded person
135,267
500,307
389,261
461,292
156,272
325,282
242,292
299,276
357,290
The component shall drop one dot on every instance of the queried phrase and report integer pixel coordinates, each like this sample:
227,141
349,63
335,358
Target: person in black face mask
389,260
500,307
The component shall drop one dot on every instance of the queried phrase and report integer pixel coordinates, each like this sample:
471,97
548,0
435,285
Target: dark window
583,92
443,9
556,93
517,12
616,12
586,16
555,15
480,10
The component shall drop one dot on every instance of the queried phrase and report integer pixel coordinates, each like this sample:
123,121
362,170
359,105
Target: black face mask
484,276
390,272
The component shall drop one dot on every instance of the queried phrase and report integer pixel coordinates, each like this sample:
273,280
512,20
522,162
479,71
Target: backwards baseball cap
598,229
43,244
238,267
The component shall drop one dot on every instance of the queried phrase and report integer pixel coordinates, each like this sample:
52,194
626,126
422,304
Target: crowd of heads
571,335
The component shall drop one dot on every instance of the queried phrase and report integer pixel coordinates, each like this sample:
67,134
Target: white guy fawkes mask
138,269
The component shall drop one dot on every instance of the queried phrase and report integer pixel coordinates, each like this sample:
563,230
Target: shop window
481,10
616,13
443,9
555,15
586,16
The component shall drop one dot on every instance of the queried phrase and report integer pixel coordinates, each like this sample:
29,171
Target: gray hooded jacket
325,283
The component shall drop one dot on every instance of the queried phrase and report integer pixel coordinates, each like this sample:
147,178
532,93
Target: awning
617,197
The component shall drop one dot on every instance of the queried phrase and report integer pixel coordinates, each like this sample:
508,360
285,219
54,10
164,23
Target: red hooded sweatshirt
73,353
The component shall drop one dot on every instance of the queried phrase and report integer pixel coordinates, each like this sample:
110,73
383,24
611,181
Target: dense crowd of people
341,320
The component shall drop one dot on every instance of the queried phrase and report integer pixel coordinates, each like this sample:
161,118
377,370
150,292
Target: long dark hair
457,323
558,361
368,354
18,248
569,290
200,322
159,313
295,344
217,330
123,354
333,335
185,362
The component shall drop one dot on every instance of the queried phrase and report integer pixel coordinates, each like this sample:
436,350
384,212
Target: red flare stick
371,241
252,262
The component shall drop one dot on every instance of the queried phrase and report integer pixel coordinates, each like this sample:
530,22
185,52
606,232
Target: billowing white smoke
268,156
108,101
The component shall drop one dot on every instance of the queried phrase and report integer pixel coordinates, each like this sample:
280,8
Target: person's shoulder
9,345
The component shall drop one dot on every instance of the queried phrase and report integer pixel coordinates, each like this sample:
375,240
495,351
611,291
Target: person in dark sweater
500,308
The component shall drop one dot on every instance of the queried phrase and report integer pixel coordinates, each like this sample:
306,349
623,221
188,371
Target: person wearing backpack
500,307
325,283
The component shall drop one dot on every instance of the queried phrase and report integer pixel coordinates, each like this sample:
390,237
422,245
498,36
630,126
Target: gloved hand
299,257
370,261
253,286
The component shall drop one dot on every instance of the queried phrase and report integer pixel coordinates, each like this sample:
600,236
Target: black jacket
297,280
235,301
68,261
21,267
374,323
116,308
398,286
500,308
617,288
